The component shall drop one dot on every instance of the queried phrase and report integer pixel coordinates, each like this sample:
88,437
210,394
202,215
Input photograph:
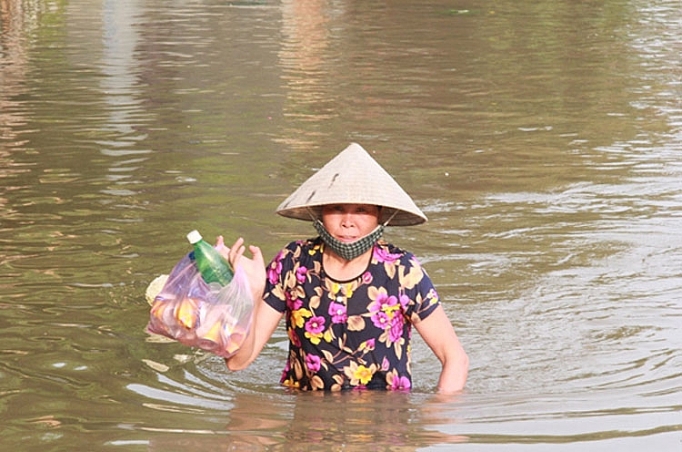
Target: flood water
543,139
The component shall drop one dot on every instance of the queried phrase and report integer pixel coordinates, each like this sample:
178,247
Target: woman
350,299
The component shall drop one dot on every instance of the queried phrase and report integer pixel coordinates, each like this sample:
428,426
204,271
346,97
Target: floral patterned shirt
349,334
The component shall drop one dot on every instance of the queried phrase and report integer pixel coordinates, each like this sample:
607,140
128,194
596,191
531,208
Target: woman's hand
440,336
254,267
265,318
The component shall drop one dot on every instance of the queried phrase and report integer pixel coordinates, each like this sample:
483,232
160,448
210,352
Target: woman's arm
263,324
264,318
440,336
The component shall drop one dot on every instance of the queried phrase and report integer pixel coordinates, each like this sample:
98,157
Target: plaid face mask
349,251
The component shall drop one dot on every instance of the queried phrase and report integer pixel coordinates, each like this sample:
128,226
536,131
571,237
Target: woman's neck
341,269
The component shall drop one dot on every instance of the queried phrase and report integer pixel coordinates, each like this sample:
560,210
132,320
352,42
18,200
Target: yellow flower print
315,338
299,315
349,290
364,374
341,289
314,329
291,383
359,374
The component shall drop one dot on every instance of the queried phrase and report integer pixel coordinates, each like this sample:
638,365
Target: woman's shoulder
300,248
385,252
401,265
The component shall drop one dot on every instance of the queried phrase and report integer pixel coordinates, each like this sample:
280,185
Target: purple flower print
404,301
380,320
275,268
287,368
383,256
396,330
383,310
312,362
386,301
338,312
293,303
368,346
401,384
314,328
315,325
301,274
383,302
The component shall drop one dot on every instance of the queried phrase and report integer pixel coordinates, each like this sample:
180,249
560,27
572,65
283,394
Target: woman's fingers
257,254
236,252
222,249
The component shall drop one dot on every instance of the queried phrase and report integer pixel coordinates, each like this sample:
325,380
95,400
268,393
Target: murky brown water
543,140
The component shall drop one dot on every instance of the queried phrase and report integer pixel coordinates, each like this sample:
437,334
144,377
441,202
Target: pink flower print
367,346
287,367
367,278
396,330
301,274
387,302
380,320
383,310
312,362
338,312
315,324
404,301
314,328
275,268
401,384
293,303
383,256
383,302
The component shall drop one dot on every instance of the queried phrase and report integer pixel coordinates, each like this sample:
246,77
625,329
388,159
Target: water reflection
122,96
303,59
18,22
349,421
15,28
542,141
119,65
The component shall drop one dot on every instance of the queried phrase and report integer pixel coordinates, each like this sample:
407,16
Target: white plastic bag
208,316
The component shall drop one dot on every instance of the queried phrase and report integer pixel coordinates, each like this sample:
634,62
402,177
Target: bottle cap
194,237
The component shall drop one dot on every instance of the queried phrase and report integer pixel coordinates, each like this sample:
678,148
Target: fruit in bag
187,313
235,340
193,312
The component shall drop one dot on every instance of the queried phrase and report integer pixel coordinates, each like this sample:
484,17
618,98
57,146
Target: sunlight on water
545,153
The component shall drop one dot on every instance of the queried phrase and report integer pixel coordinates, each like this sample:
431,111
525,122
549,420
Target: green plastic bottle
211,265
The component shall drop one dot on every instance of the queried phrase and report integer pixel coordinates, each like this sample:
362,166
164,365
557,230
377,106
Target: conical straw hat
352,177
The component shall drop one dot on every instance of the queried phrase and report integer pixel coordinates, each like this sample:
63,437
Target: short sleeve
276,271
417,287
